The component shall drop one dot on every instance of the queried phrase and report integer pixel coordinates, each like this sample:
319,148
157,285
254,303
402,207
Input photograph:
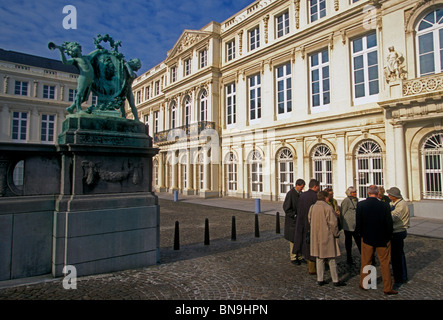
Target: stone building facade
345,91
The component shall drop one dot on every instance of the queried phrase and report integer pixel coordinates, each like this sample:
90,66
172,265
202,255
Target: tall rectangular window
21,88
203,55
187,67
282,22
230,104
155,121
157,88
254,38
48,92
230,50
284,89
47,128
365,67
147,92
72,94
317,9
255,97
173,74
319,72
19,125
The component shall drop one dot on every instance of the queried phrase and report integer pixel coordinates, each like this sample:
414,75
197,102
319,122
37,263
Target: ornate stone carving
92,172
394,69
423,85
188,40
297,13
266,20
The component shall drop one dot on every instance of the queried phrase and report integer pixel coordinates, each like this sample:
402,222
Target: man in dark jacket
374,224
290,208
302,227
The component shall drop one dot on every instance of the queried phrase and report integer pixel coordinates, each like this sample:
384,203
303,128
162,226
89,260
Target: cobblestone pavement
249,268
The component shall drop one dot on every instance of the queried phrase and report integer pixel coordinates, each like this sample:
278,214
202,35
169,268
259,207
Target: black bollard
176,237
257,231
206,232
233,230
277,223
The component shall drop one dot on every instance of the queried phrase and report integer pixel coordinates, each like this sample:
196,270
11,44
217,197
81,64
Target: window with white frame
47,128
282,24
203,106
200,171
155,169
365,68
256,172
230,104
320,86
231,172
157,88
254,38
187,110
173,74
255,97
432,166
230,50
173,115
21,88
369,166
147,92
156,113
203,58
322,165
317,9
285,171
19,125
71,95
94,99
430,43
187,67
48,92
284,89
183,172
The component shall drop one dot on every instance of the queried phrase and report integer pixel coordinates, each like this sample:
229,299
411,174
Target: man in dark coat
374,224
302,227
290,209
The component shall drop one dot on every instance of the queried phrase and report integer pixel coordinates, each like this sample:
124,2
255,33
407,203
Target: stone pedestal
106,217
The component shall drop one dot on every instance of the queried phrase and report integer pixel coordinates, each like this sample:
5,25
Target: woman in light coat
348,212
324,238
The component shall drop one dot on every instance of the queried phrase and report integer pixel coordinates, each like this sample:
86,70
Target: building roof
36,61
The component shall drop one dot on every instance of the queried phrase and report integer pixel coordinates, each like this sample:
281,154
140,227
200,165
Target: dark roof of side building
36,61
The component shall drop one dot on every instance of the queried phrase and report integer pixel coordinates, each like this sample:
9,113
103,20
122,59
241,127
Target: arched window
155,172
430,43
187,111
285,171
173,111
231,171
432,164
369,165
204,106
322,165
256,172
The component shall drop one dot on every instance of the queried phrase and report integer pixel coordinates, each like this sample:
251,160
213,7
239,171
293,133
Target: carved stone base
106,217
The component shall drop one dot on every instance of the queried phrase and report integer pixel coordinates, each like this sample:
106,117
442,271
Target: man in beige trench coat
324,238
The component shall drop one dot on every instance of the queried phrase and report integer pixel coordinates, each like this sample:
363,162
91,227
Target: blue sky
147,28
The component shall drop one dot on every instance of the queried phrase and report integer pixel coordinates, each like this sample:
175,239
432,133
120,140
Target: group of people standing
378,224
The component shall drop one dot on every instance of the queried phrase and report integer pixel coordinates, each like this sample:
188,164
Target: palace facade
345,91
